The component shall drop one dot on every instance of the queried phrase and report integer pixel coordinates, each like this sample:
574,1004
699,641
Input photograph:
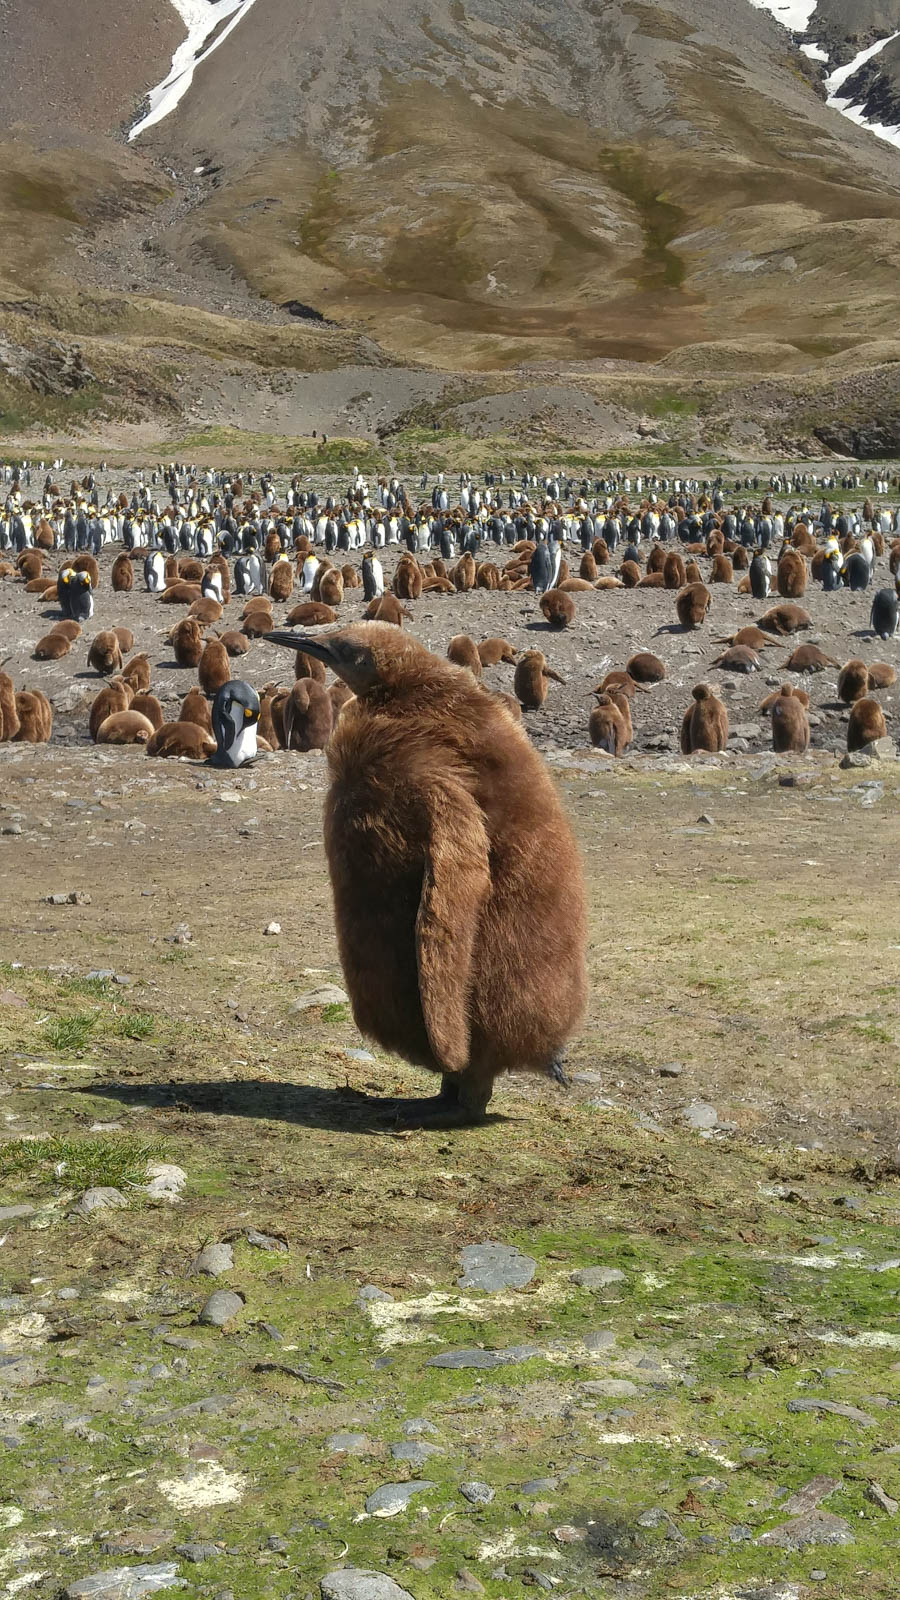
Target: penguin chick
115,696
126,640
137,673
195,708
181,739
186,639
149,707
463,652
785,619
799,694
646,668
808,658
530,680
310,614
387,608
606,726
105,654
308,667
705,723
558,608
35,715
122,575
461,950
881,675
52,647
308,715
9,716
739,658
692,605
125,727
213,668
493,651
237,644
790,723
866,724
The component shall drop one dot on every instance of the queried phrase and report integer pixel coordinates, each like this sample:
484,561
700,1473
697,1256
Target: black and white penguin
760,577
235,718
540,568
885,617
308,575
81,597
372,576
249,575
855,572
831,569
211,585
155,571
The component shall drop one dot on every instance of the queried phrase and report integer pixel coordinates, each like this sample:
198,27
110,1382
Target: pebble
392,1498
127,1583
370,1291
477,1494
700,1115
596,1277
102,1199
358,1583
671,1069
219,1309
328,995
213,1260
272,930
415,1452
817,1527
200,1550
485,1360
493,1267
834,1409
265,1241
610,1388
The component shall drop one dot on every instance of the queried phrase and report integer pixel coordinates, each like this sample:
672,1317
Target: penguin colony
226,550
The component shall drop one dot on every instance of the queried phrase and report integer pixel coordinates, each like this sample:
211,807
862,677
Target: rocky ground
261,1336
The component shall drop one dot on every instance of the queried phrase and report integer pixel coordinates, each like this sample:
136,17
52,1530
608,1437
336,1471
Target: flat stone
880,1498
880,749
484,1360
328,995
415,1452
700,1115
370,1291
126,1583
349,1444
213,1260
816,1528
200,1550
671,1069
102,1199
220,1308
16,1213
165,1181
536,1486
610,1388
357,1583
392,1498
810,1496
855,758
265,1241
467,1583
596,1277
834,1408
477,1494
599,1340
493,1267
137,1541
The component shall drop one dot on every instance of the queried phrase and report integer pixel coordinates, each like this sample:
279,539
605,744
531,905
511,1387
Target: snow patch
814,52
201,18
793,14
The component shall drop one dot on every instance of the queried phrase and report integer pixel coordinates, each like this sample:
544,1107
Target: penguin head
235,715
372,658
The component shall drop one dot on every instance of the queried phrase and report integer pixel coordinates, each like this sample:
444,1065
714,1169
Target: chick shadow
340,1110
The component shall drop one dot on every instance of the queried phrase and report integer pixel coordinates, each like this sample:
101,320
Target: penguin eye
247,711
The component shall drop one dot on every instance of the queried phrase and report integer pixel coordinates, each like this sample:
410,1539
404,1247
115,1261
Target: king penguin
235,718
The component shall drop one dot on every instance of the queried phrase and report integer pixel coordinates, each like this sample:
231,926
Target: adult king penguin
457,886
885,617
235,718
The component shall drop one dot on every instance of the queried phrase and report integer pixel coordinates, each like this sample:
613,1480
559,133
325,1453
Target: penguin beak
319,648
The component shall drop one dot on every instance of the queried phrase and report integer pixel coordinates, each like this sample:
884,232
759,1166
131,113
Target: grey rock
199,1550
102,1199
220,1308
467,1583
700,1115
536,1486
746,730
596,1277
327,995
349,1444
706,820
126,1583
855,758
357,1583
610,1388
493,1267
137,1542
671,1069
276,1543
414,1427
16,1213
392,1498
484,1360
658,1517
880,749
810,1496
817,1527
370,1291
834,1408
415,1452
182,935
600,1339
213,1260
880,1498
477,1494
740,1533
265,1241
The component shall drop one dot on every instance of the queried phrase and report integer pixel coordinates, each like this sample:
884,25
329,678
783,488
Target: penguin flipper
456,882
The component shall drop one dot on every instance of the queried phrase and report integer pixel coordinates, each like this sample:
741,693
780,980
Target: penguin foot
558,1073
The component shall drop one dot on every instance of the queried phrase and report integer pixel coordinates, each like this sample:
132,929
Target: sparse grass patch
135,1025
70,1033
82,1163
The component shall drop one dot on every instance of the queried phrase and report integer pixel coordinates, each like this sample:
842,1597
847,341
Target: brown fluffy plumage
113,697
785,619
186,640
310,614
692,605
791,575
457,885
808,658
557,608
463,652
137,673
492,651
9,716
866,724
122,576
790,723
213,668
195,708
35,715
705,723
105,653
606,726
530,680
181,739
149,707
125,727
52,647
674,571
646,667
308,715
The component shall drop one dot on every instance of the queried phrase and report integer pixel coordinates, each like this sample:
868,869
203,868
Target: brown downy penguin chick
9,716
387,608
195,708
652,580
125,638
213,668
646,668
351,577
610,582
463,574
408,580
30,565
557,608
217,563
237,644
808,658
114,696
656,561
866,724
622,703
674,571
308,667
619,682
52,647
588,568
458,890
186,640
570,586
785,619
705,723
338,693
310,614
206,610
739,658
256,624
35,715
630,574
125,727
331,587
463,652
258,602
753,636
508,702
122,576
853,681
692,605
149,707
790,723
137,673
493,651
530,680
881,675
45,587
105,653
606,726
721,570
692,573
281,578
181,594
69,628
88,563
265,728
791,575
191,570
799,694
181,739
308,715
